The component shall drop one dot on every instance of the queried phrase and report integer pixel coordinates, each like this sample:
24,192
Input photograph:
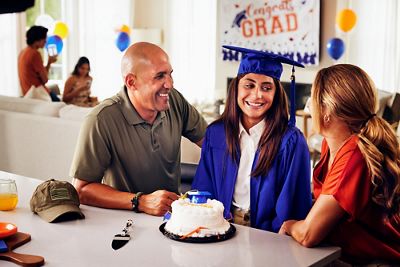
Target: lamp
147,35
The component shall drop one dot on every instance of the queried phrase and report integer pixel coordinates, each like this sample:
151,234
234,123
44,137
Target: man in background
31,70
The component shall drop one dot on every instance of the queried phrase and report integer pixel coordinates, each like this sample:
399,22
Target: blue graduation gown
283,194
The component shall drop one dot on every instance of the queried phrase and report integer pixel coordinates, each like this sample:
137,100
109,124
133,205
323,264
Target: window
191,31
91,25
9,53
382,59
93,34
53,8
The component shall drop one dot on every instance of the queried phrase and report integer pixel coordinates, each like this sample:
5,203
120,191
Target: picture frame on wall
290,28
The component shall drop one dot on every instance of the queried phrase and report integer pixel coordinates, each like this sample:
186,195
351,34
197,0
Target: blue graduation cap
269,64
198,197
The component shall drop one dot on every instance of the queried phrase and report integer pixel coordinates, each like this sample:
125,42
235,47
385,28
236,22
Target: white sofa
38,138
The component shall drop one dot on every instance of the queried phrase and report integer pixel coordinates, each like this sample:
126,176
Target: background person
128,151
77,87
356,183
31,71
253,159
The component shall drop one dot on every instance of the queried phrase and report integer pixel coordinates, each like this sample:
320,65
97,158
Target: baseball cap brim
53,213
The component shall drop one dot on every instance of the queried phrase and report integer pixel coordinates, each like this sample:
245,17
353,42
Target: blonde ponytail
380,148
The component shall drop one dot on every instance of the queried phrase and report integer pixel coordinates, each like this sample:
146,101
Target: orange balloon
126,29
346,19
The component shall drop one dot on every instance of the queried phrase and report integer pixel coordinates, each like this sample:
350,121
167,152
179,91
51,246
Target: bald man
128,151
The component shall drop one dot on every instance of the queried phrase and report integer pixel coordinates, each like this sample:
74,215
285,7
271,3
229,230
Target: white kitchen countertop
88,242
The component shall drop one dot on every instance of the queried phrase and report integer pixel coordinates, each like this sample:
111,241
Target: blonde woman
356,182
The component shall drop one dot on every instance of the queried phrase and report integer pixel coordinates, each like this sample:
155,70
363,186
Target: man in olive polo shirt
128,151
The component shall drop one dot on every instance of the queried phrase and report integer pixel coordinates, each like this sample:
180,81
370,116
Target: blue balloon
335,48
123,41
55,40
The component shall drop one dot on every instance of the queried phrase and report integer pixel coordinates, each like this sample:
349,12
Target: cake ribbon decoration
198,197
122,238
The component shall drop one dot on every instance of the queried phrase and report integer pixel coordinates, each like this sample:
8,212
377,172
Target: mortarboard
269,64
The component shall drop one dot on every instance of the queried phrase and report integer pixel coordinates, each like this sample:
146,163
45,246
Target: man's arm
101,195
44,72
104,196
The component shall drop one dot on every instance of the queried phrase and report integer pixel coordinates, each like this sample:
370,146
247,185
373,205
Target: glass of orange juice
8,194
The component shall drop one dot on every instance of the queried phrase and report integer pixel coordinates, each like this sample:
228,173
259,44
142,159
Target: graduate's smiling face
256,94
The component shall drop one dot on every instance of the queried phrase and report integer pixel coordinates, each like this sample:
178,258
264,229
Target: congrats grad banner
286,27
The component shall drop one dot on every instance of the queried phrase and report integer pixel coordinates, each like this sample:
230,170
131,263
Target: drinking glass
8,194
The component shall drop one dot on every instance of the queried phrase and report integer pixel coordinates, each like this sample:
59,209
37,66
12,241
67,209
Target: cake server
122,238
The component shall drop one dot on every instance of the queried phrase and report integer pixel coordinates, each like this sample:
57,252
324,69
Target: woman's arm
321,219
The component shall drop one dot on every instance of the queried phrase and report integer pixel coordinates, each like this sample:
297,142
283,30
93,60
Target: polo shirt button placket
154,142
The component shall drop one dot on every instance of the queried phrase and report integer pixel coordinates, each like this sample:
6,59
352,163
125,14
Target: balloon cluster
58,28
345,20
123,38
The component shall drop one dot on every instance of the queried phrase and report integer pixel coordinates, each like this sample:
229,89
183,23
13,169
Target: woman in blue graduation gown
254,160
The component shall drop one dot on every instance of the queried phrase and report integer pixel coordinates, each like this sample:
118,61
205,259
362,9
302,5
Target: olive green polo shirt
117,147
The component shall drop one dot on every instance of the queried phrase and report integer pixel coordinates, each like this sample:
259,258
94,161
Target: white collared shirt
248,148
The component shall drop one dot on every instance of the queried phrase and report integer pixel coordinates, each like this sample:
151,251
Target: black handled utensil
122,238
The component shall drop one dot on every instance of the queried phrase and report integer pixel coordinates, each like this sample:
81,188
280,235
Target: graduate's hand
157,203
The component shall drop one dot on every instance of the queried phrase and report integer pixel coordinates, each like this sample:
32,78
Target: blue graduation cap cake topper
269,64
198,197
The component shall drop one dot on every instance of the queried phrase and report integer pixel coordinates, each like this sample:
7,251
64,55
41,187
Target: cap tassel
292,120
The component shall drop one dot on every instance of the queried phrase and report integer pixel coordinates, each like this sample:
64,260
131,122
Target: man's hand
51,59
157,203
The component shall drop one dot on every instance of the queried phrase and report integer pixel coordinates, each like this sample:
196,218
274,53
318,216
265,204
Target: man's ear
130,81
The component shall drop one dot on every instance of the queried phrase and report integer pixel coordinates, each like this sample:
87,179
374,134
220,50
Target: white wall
149,14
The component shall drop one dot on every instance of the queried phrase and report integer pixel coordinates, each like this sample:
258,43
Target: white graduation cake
197,217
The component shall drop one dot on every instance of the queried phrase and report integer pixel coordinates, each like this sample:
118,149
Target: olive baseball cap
54,198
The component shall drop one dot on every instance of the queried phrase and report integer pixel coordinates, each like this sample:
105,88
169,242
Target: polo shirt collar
129,111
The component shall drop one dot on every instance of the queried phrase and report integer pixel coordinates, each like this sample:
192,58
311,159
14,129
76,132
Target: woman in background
77,86
253,159
357,181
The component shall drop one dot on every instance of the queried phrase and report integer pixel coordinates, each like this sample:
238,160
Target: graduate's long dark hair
276,121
